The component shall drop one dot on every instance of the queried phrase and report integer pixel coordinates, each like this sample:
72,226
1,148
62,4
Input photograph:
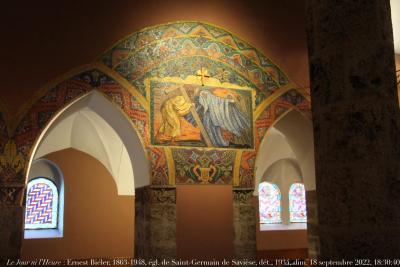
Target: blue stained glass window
41,204
297,203
270,203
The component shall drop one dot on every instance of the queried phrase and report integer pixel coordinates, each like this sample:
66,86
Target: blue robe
219,113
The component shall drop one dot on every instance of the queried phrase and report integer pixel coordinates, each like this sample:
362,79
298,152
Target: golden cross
202,74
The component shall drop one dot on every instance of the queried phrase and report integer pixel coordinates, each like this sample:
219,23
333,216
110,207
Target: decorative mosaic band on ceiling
180,48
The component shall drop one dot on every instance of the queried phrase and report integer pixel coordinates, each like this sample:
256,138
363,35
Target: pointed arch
269,113
92,124
60,95
290,136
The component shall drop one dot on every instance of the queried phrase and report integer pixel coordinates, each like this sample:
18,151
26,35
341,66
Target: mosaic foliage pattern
297,203
12,163
41,204
183,47
203,166
270,203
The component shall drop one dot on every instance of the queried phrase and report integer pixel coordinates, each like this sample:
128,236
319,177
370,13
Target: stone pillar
163,223
244,224
312,224
11,222
142,223
155,223
356,128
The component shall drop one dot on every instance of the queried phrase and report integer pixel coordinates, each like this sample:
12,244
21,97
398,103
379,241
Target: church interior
199,130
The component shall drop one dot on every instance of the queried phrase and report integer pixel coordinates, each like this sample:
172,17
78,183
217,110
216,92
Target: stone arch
299,148
112,137
64,94
88,86
269,115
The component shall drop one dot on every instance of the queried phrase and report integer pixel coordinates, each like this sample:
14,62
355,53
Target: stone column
244,224
142,223
163,223
312,224
155,223
11,221
356,128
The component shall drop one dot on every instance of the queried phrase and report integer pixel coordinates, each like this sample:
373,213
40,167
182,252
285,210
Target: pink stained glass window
270,203
297,203
41,204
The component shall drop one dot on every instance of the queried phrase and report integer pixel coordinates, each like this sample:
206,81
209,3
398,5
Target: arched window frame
48,171
276,210
300,209
54,204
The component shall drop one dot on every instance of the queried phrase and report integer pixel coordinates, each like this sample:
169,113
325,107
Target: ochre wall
46,39
204,227
97,222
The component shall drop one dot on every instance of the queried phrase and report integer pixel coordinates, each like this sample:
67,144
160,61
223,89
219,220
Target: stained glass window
41,204
270,203
297,203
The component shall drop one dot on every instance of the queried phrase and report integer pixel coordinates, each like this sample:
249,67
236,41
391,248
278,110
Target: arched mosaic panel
194,62
202,45
186,60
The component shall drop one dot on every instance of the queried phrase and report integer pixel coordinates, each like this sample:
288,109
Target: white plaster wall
273,148
299,135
